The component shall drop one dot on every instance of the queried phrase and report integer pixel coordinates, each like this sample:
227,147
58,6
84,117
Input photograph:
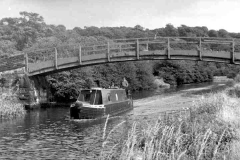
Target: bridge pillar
33,90
9,79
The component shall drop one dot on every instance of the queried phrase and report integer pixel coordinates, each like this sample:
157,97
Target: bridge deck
62,58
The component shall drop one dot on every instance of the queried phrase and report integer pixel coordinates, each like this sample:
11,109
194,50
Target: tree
212,33
7,47
223,33
24,30
138,27
170,30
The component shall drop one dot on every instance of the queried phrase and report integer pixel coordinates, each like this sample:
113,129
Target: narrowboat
99,102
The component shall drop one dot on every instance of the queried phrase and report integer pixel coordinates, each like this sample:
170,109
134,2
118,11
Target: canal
49,134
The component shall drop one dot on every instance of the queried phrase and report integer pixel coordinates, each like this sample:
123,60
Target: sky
151,14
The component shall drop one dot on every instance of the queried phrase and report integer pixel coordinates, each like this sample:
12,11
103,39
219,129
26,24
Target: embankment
211,131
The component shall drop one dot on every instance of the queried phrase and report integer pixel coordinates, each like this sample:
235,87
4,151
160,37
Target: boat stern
79,110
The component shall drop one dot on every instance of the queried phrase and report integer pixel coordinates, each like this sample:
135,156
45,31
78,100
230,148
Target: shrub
10,107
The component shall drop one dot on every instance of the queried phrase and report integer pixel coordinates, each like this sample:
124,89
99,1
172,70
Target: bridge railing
135,47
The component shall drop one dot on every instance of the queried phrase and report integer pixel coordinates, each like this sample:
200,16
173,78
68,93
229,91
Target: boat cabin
99,96
100,102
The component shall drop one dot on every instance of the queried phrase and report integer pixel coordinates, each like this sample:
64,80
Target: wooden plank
217,54
99,50
69,60
175,42
123,48
216,42
155,42
236,56
39,66
156,52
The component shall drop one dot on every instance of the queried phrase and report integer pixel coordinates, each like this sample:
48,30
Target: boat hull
111,109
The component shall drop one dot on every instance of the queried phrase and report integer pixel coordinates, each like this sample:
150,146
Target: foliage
62,88
182,72
206,131
29,32
66,85
10,107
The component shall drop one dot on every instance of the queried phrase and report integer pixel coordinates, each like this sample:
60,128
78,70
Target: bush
10,107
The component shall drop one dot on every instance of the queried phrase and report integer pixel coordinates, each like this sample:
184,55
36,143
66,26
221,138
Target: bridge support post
168,49
200,49
26,62
137,49
80,55
108,51
233,52
55,58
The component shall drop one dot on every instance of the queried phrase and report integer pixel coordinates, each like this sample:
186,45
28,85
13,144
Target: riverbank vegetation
29,32
10,107
210,130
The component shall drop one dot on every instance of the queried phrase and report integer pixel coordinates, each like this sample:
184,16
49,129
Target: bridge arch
48,61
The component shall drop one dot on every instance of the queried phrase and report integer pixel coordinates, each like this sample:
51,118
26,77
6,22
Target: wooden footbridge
51,60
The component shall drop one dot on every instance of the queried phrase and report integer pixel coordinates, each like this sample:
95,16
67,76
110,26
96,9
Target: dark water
49,134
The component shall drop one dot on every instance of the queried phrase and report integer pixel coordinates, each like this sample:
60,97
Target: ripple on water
41,137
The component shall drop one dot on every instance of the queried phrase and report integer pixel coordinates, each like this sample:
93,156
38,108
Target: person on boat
125,86
112,85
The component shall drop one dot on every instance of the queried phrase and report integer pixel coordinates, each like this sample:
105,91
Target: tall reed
210,132
10,107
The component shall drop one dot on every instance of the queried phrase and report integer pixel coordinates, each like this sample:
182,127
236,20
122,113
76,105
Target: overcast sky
214,14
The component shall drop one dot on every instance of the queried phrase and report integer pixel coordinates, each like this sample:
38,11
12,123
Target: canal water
49,134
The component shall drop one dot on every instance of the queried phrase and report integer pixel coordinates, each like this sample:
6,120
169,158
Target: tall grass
111,145
210,132
10,106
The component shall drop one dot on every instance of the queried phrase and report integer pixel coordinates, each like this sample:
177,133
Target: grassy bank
211,131
10,107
